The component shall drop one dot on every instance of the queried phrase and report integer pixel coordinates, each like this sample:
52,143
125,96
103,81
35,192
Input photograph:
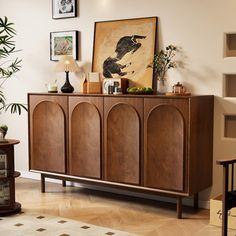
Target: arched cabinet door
123,139
48,133
164,144
85,139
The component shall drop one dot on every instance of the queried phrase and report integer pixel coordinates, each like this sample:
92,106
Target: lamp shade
67,63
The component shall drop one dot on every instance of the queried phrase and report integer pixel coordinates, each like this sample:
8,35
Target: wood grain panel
201,143
164,160
85,158
123,144
48,147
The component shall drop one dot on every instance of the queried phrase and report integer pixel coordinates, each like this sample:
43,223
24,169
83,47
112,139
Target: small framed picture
64,9
63,43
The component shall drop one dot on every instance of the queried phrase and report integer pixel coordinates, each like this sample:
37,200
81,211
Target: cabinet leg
195,201
63,183
179,207
42,183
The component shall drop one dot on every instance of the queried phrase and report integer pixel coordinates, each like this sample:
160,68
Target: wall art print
63,43
124,49
64,9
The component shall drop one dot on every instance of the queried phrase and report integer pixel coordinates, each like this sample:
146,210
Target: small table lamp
67,64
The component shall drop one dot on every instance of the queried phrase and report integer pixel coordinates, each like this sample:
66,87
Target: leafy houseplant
8,66
3,130
163,61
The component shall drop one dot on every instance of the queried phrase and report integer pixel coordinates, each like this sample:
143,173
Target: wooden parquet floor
134,215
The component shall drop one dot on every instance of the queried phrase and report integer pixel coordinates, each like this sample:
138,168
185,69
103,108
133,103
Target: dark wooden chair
229,194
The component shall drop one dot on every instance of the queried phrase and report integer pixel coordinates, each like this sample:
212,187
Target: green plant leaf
16,107
8,67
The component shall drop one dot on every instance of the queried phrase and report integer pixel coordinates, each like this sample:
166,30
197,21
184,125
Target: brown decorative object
177,94
92,87
144,143
124,48
178,90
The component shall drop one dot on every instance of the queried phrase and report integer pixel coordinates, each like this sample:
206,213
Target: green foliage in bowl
136,90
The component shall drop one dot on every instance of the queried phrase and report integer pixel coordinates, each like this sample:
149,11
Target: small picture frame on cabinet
64,9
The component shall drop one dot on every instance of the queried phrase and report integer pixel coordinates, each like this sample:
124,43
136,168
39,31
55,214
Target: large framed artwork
63,43
64,9
124,49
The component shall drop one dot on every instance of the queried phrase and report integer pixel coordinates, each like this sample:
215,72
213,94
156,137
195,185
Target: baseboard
36,176
186,201
30,175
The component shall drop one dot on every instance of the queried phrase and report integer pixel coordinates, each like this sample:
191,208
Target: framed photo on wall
124,49
63,43
64,9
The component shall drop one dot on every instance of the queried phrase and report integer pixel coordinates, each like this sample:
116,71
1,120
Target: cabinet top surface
118,95
9,142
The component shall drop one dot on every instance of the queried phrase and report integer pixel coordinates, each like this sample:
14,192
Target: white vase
161,86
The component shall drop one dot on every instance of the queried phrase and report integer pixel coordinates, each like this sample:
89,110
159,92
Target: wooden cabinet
48,131
155,144
122,139
165,129
85,139
65,134
178,143
8,205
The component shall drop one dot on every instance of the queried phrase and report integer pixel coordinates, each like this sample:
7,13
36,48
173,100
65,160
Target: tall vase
161,86
67,87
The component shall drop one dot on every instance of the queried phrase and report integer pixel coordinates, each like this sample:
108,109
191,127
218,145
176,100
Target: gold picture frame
124,49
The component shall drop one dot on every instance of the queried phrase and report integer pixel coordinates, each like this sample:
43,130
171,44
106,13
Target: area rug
25,224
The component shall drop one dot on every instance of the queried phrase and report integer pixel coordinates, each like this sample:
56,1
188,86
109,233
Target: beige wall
195,26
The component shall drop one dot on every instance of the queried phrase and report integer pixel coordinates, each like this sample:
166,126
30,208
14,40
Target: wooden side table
7,178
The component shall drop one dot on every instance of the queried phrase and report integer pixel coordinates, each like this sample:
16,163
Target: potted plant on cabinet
8,66
162,62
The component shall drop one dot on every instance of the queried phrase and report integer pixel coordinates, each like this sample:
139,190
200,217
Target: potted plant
8,66
3,131
162,62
